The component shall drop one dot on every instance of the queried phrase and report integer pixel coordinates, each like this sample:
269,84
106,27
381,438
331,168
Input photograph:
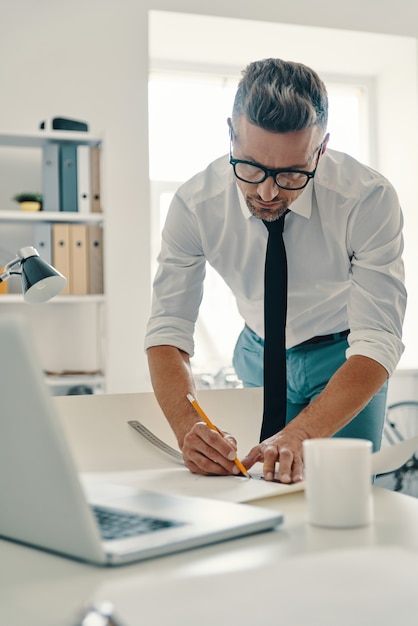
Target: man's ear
325,143
231,128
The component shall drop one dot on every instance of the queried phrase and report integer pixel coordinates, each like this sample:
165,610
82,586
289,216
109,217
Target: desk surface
301,573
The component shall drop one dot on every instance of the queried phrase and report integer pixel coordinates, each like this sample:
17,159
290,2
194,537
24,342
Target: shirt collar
302,206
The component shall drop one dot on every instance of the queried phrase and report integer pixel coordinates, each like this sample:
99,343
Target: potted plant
29,201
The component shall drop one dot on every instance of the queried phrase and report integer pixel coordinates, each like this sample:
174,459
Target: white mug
338,481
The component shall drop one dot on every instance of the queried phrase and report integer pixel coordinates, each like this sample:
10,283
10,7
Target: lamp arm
23,253
6,273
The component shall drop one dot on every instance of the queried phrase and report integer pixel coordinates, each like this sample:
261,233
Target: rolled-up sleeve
178,284
377,294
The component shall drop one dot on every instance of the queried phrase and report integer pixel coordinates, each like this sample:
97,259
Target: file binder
79,259
95,164
68,177
95,260
42,240
50,177
61,252
83,179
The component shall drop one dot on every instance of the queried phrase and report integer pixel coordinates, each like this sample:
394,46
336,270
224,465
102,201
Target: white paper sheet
176,480
180,481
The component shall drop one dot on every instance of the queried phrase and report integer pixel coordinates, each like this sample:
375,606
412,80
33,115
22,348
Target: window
187,130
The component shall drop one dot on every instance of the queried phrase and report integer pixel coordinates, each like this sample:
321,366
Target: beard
279,207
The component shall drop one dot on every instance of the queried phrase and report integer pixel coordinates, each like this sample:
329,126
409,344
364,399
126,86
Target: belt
321,338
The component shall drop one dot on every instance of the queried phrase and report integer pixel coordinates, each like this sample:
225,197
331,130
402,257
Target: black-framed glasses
254,173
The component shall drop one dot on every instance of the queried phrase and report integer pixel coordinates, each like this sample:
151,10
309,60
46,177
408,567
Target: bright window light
187,124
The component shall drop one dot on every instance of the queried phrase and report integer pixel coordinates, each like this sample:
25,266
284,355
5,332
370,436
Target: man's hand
285,448
204,451
346,394
208,452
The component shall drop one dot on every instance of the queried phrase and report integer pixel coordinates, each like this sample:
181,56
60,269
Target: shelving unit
70,330
9,217
39,139
15,298
72,385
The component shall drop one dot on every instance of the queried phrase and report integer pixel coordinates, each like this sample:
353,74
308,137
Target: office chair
401,423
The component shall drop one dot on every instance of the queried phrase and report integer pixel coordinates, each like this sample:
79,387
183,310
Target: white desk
298,574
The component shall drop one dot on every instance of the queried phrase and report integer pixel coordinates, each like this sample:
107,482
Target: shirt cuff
170,331
380,346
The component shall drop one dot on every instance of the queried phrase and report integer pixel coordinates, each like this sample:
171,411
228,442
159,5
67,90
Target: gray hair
281,96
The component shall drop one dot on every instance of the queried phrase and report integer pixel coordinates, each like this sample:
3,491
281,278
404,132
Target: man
346,295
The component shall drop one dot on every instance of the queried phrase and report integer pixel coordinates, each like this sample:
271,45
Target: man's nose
268,190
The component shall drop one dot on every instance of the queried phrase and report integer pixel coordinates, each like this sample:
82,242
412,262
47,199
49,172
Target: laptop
43,503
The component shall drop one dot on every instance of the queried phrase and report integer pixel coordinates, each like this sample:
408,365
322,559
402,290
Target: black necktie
275,308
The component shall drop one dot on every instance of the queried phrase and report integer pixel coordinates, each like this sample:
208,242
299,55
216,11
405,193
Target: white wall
89,59
84,59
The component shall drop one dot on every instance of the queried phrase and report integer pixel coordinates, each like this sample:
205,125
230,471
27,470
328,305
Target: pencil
212,426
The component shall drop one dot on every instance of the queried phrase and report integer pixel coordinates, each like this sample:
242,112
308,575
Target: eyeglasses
254,173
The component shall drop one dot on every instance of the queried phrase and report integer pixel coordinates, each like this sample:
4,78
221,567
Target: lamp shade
40,281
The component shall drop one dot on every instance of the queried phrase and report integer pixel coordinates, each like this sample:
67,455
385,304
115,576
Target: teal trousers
309,369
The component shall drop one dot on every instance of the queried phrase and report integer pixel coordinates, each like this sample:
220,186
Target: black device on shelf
63,123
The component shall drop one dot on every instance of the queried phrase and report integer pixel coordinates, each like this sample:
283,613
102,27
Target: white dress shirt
343,240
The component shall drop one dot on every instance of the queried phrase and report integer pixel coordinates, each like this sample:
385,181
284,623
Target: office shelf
68,331
16,298
30,217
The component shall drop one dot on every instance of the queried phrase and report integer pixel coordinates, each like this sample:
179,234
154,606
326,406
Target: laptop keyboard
121,525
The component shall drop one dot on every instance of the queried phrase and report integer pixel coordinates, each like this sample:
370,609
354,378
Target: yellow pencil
212,426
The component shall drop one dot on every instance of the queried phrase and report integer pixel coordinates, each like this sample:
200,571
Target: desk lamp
40,281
